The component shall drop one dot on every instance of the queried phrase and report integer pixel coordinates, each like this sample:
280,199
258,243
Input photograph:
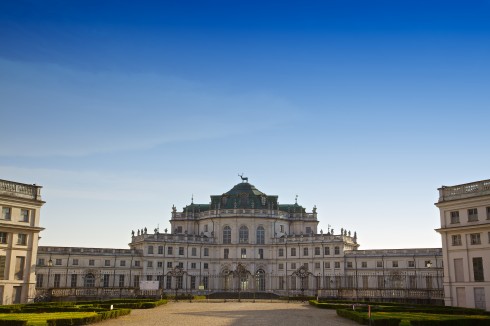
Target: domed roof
244,187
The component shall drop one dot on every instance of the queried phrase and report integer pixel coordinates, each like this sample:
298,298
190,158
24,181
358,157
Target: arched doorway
89,281
260,280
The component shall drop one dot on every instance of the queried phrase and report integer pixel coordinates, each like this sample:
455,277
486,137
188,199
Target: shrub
452,322
361,319
13,322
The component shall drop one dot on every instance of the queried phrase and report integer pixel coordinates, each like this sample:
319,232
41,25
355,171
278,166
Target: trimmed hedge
357,317
322,305
13,322
89,320
451,322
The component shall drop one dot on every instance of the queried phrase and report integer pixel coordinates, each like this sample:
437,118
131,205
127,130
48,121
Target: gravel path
231,313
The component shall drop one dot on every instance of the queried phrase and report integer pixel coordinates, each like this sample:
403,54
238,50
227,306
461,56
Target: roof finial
192,199
296,199
244,179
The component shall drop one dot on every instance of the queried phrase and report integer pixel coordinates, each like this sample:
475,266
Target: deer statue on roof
244,179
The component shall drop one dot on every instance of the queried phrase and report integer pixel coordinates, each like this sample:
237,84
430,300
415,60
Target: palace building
242,243
20,206
465,230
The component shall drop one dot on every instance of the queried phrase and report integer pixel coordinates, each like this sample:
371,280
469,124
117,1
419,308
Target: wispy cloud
56,111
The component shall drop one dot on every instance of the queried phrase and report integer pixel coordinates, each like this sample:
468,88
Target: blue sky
363,108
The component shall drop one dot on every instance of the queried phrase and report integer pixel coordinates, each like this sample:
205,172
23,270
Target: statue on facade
314,209
174,209
146,231
132,233
138,231
165,230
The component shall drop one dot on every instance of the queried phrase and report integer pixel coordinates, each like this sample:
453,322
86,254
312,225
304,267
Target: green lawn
407,316
40,318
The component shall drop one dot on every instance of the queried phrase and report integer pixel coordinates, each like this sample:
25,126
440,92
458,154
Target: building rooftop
20,190
466,190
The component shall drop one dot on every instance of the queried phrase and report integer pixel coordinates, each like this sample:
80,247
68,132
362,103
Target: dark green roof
244,195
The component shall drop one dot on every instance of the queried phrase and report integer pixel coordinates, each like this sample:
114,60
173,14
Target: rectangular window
281,252
337,250
472,215
24,215
149,277
122,263
169,264
73,280
22,239
293,265
475,239
137,263
205,282
381,281
19,267
478,269
58,262
327,264
456,239
261,253
206,252
364,264
160,250
40,262
458,270
193,265
193,252
179,229
107,262
39,280
6,213
317,265
170,250
317,251
308,230
160,264
293,252
149,264
193,282
281,282
226,253
3,237
181,251
105,281
91,262
57,280
2,267
454,217
411,263
206,266
488,213
305,251
74,262
349,264
150,250
394,263
244,253
121,280
281,266
206,228
327,251
337,264
168,284
136,281
379,264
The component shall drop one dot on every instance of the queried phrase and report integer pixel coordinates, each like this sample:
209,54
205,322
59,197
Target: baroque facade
20,206
465,230
243,241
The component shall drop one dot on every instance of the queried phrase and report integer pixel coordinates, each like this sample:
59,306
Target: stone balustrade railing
21,190
466,190
242,212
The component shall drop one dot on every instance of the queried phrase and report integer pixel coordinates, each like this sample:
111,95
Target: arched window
89,280
260,235
243,234
260,280
227,234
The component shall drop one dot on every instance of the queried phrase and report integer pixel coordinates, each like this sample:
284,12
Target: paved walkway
231,314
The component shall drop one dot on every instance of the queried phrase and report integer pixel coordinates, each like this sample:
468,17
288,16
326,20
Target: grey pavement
232,314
